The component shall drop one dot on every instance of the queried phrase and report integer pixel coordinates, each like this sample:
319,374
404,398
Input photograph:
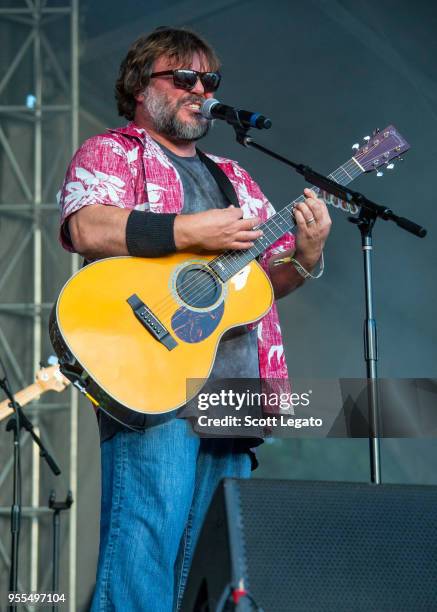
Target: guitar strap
222,181
220,178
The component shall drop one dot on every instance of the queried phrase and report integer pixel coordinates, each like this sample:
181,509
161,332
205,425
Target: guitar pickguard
193,326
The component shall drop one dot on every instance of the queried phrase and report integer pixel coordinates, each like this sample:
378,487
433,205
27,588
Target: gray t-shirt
237,353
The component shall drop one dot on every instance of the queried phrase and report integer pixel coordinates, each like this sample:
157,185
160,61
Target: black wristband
150,234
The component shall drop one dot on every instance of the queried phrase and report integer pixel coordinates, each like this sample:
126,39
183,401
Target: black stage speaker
317,546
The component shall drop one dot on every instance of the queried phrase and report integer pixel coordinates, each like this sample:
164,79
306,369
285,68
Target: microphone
213,109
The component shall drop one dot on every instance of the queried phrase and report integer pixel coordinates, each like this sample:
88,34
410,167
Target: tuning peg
380,173
366,138
355,147
390,166
375,131
400,159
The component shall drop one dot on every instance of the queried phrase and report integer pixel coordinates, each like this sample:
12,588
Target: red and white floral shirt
126,168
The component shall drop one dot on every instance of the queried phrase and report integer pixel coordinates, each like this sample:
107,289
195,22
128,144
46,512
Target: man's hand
313,226
216,230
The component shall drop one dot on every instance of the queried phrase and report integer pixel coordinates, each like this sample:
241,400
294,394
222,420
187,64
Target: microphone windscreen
206,107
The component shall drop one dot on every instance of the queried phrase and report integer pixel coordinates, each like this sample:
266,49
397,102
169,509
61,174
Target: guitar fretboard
23,397
230,262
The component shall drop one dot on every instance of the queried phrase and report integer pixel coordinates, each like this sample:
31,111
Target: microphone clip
242,134
241,131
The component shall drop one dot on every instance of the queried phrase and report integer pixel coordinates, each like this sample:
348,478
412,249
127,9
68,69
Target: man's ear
140,97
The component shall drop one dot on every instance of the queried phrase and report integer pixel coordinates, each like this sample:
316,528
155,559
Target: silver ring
312,220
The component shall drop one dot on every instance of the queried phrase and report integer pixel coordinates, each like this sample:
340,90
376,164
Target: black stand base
57,507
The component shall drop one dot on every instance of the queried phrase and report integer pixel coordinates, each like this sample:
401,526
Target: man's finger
247,224
306,211
309,193
315,209
248,236
241,245
300,219
235,212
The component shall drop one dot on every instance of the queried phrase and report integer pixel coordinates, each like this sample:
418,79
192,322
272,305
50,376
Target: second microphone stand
18,421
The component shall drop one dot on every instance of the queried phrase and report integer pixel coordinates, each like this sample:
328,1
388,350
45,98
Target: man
143,190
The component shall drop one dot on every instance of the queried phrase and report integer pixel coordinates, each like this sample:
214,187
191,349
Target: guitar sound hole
197,286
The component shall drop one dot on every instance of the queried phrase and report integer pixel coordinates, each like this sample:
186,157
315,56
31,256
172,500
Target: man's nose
198,88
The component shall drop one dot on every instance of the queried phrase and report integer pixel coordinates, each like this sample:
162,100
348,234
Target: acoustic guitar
131,331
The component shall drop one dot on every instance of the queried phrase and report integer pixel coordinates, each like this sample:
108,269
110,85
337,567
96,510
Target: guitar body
124,361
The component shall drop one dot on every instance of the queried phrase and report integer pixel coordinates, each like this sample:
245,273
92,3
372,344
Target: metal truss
39,113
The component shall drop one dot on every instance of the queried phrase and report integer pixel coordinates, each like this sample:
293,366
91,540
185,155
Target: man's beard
163,113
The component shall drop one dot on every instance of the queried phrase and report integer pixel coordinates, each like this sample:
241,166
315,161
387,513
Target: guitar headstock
51,379
380,149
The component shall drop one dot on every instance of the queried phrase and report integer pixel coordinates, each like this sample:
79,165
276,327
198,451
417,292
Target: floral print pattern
91,188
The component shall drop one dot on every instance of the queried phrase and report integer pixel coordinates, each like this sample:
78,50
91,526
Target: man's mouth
194,106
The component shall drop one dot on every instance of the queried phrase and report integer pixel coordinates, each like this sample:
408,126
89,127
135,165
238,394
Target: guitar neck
230,262
23,397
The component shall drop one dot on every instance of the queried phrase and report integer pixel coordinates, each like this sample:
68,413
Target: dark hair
179,44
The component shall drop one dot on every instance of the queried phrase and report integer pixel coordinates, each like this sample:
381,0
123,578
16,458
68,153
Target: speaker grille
339,546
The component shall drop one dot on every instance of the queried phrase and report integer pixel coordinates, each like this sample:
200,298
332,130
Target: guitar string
237,256
231,256
241,254
351,168
199,286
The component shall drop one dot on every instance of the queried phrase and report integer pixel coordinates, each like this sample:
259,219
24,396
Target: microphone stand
15,423
369,213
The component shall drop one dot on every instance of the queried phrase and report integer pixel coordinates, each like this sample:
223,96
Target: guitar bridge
153,325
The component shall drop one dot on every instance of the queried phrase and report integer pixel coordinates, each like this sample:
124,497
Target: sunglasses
187,79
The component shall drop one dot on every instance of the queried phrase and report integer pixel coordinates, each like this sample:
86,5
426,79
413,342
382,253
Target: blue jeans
156,488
